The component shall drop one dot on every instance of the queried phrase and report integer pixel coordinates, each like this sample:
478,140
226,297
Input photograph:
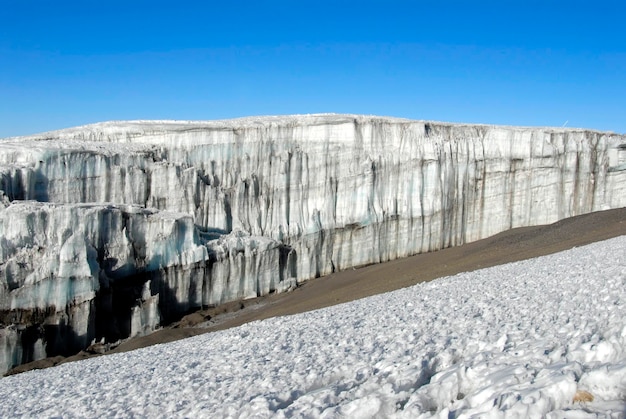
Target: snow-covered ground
518,340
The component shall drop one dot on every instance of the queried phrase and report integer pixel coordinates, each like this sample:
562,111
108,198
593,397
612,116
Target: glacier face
109,230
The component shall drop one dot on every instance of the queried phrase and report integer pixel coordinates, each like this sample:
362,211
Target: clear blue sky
67,63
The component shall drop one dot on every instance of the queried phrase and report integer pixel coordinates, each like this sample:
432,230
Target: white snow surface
517,340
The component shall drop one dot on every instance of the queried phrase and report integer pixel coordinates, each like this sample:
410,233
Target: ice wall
178,215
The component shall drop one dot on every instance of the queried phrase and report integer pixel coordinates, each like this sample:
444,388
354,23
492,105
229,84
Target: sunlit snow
518,340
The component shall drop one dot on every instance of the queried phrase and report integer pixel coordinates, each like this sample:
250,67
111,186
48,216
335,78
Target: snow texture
517,340
112,229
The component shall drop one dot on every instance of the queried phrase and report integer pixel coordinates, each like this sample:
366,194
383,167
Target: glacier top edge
141,127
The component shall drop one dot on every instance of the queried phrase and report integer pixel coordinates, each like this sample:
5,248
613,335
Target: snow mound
518,340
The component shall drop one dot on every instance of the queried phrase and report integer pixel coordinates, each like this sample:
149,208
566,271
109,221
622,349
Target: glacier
111,230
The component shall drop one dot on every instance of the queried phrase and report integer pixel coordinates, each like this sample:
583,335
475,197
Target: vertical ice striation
109,230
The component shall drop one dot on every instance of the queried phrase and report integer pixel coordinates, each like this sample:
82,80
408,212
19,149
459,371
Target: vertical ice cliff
109,230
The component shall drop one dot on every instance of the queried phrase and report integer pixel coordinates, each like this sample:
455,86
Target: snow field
517,340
